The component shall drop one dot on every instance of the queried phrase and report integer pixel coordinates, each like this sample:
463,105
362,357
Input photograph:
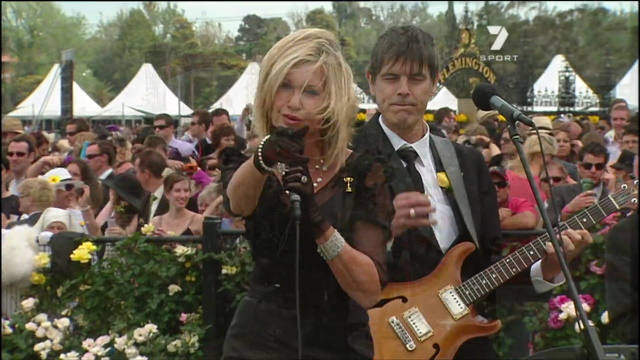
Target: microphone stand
594,348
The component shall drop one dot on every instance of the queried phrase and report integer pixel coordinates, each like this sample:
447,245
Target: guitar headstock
628,195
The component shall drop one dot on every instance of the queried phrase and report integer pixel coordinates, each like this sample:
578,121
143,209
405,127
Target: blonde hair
40,190
320,48
531,147
210,193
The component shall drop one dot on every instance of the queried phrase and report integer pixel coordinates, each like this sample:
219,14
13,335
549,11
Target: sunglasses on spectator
587,166
500,184
554,179
71,133
92,156
212,168
66,187
16,153
601,128
160,127
193,123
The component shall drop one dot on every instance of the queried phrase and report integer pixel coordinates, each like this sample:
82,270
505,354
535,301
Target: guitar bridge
418,324
402,333
453,302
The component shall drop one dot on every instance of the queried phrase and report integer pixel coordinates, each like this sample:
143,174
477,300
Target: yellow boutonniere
501,118
147,229
443,180
428,117
361,117
54,179
462,118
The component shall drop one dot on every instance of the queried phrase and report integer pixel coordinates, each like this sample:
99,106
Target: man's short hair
31,143
441,114
154,142
106,147
407,43
204,117
168,120
630,130
595,149
219,112
152,162
80,123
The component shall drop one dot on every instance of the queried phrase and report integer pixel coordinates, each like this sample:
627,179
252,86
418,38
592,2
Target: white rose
56,346
131,352
88,344
98,351
62,323
88,356
42,346
103,340
40,318
140,335
6,329
151,328
46,324
43,354
174,289
29,304
53,333
174,346
70,356
586,308
40,333
121,343
604,318
139,358
31,326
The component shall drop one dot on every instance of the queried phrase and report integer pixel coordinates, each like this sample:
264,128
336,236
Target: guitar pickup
453,302
402,333
418,324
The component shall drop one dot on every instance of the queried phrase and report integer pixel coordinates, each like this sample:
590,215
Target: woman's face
43,149
564,144
227,141
74,170
179,195
56,227
212,168
298,100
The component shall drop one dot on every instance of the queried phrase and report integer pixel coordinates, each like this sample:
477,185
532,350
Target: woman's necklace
321,168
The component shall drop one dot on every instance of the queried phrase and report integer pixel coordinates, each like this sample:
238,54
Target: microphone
485,97
295,204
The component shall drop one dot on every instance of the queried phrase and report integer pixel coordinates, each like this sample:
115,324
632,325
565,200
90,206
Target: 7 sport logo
502,33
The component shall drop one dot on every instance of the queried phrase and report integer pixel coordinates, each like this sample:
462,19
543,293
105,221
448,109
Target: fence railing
211,243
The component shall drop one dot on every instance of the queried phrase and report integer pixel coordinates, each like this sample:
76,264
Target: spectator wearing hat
630,139
36,195
64,185
10,202
11,127
21,152
515,213
624,167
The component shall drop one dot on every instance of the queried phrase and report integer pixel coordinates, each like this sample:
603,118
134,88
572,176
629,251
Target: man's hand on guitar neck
412,211
573,242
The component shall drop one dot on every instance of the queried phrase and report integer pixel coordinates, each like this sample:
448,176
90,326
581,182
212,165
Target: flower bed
142,302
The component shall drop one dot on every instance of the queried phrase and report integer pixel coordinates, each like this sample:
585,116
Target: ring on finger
304,179
412,213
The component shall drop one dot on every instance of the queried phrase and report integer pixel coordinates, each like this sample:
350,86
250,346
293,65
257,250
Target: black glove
292,181
285,145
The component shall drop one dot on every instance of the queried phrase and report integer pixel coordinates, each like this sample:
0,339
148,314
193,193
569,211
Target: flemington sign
467,57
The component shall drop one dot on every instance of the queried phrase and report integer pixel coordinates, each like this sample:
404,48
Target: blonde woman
304,109
518,178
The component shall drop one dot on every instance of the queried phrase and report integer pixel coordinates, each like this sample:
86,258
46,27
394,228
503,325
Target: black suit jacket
105,189
416,253
621,278
31,221
562,195
204,148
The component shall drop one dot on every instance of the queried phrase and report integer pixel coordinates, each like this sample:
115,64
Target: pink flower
587,299
554,321
556,302
611,219
183,318
593,266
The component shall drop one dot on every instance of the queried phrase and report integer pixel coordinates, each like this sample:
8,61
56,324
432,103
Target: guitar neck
497,274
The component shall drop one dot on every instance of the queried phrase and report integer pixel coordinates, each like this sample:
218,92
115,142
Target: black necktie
409,155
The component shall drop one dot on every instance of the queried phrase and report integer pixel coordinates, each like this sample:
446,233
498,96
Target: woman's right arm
244,189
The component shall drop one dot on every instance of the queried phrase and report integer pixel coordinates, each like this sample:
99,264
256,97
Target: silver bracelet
259,153
333,247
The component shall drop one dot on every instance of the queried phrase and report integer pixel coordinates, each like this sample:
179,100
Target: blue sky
230,14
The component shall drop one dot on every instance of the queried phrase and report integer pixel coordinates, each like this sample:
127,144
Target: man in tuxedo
448,196
573,198
149,166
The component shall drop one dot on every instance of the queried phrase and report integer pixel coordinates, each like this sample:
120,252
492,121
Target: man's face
71,134
592,167
603,128
63,197
163,130
142,176
630,142
449,123
502,188
19,157
218,122
96,160
619,119
402,92
197,129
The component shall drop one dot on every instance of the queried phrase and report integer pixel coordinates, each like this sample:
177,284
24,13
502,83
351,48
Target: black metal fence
211,242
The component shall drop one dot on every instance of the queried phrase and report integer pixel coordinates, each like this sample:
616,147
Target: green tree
318,18
252,29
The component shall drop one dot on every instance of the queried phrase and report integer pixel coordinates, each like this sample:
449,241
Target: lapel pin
348,180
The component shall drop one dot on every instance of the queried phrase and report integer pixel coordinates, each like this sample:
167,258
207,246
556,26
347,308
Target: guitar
431,317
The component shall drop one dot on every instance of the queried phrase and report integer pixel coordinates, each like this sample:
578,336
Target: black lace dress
356,202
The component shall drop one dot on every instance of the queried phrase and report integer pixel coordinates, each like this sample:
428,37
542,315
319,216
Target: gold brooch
348,180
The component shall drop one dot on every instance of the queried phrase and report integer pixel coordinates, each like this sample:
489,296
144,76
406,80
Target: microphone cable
297,264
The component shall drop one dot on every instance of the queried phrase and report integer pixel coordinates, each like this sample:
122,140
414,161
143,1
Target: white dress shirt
154,203
13,186
105,174
446,229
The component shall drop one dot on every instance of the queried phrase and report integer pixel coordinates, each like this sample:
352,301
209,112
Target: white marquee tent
547,86
242,92
44,101
146,94
627,88
444,98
